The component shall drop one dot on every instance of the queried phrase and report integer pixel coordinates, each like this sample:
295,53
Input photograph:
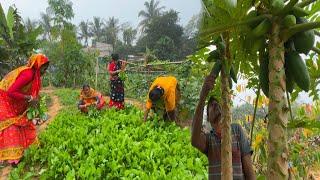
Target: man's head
86,89
155,94
213,111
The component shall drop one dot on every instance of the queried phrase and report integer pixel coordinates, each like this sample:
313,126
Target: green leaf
29,115
10,20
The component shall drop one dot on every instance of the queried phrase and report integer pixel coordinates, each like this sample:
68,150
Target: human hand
82,106
33,102
96,104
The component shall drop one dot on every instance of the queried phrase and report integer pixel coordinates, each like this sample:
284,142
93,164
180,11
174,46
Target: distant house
102,48
136,58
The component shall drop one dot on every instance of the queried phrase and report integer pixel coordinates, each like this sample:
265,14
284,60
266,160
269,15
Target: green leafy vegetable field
116,145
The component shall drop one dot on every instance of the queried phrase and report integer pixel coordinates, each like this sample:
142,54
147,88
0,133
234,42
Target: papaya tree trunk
278,108
226,148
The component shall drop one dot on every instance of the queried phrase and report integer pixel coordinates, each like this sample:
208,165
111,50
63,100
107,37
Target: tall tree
112,30
62,11
45,22
128,35
192,28
30,25
84,32
152,10
96,28
165,30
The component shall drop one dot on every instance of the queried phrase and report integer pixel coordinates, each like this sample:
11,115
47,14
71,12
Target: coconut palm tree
128,35
96,28
30,25
45,22
84,32
111,31
152,10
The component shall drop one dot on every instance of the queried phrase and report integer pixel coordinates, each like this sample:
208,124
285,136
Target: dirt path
52,112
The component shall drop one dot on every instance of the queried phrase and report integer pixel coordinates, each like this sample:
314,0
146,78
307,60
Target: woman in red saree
19,89
115,66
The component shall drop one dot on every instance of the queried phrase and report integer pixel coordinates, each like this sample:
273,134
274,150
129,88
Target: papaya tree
270,34
225,60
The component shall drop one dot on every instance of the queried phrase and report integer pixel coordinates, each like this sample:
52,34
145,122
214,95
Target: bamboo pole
97,72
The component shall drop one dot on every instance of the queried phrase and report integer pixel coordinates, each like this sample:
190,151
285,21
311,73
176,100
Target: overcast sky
124,10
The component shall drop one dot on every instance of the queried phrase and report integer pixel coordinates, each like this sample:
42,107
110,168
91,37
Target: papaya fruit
233,74
277,6
251,15
216,68
303,41
262,28
264,75
221,47
289,78
299,12
289,46
210,59
258,44
289,81
298,70
289,21
215,54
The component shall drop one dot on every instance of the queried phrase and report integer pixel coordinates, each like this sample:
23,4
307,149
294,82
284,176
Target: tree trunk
226,148
278,108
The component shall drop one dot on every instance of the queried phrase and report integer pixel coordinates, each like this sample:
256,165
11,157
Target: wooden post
97,72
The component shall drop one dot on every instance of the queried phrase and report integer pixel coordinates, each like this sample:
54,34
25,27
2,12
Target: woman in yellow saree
19,89
89,97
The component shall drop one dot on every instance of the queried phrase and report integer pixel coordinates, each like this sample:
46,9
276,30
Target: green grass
68,97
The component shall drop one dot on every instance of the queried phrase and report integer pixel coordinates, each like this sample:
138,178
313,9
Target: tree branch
305,3
225,27
316,50
317,33
288,7
287,33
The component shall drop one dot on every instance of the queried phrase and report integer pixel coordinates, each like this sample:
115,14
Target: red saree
16,132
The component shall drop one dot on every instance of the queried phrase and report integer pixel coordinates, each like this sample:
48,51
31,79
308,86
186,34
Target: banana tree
271,33
16,43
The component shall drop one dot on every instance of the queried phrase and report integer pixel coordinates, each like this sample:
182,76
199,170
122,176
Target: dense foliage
17,41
